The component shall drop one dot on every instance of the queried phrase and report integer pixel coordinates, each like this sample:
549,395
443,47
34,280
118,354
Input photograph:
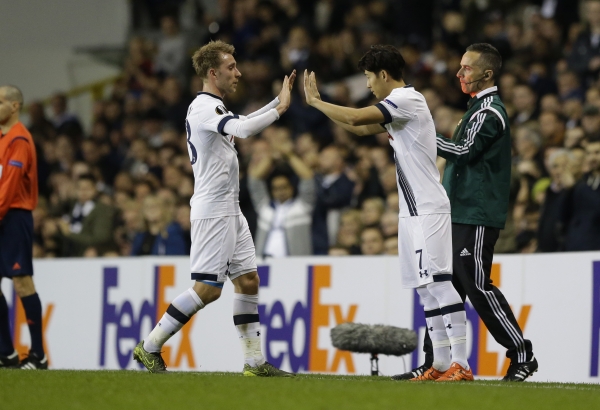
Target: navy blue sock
33,312
6,344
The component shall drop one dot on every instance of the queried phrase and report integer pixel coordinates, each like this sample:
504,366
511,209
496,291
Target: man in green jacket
477,181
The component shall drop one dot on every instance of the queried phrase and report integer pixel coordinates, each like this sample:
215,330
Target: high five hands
310,88
286,89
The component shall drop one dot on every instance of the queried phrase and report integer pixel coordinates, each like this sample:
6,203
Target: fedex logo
307,316
127,322
482,361
18,321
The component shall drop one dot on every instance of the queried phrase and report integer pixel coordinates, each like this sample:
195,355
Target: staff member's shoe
416,372
34,362
518,372
10,361
456,373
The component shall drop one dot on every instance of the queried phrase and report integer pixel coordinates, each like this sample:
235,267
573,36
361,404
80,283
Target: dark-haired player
18,197
424,229
477,179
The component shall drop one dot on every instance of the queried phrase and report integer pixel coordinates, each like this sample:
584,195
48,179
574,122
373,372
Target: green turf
65,390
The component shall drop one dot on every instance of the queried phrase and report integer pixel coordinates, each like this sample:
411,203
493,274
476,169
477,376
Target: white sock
178,314
441,343
437,331
456,327
245,317
455,319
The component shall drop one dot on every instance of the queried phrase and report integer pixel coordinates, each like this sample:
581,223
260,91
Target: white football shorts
221,247
424,249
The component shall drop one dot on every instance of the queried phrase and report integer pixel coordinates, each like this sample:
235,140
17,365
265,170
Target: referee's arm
480,134
13,174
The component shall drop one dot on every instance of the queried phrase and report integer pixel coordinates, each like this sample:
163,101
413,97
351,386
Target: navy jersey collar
211,95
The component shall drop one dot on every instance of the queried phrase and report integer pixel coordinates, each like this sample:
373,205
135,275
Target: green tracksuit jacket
477,174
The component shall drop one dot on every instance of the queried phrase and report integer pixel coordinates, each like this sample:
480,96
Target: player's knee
247,284
23,286
444,292
207,292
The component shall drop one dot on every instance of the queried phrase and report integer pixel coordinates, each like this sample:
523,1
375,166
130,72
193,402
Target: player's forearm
271,105
361,130
251,126
299,167
344,115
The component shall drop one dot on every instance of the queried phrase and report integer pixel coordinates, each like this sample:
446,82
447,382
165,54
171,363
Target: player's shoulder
403,96
207,105
19,133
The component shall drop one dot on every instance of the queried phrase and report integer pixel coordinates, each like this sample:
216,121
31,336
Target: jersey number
192,148
421,271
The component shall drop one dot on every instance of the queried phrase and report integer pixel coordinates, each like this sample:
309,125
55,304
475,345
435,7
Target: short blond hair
209,56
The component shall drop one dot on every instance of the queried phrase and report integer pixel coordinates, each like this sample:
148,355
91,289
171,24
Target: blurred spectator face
508,82
171,177
139,150
59,104
572,109
79,168
389,223
86,190
527,142
330,161
551,103
113,111
371,242
372,209
558,165
567,82
444,120
593,156
591,120
121,198
390,246
153,209
281,189
351,221
592,9
64,149
380,158
182,217
550,127
573,137
141,191
387,177
305,143
592,97
171,92
523,98
91,152
168,26
36,112
123,182
186,188
392,202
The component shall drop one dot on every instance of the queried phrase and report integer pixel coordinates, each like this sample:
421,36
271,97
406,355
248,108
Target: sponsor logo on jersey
293,329
221,110
121,327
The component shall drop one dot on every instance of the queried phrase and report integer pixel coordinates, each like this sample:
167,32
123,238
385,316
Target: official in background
477,180
18,197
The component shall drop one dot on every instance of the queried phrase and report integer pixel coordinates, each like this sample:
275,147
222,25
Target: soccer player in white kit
222,246
424,228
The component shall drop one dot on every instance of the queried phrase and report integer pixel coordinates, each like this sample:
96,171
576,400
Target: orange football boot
456,373
430,374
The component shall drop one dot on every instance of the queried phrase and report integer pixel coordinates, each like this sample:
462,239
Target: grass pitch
65,390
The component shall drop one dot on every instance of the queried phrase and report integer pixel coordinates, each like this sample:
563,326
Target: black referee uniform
477,180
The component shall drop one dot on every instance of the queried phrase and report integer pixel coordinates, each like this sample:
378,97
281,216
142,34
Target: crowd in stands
122,187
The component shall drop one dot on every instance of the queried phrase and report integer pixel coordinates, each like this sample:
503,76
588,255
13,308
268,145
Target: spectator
371,242
284,220
585,52
590,123
161,236
582,208
548,238
89,224
170,58
389,224
390,245
334,192
525,103
65,123
372,209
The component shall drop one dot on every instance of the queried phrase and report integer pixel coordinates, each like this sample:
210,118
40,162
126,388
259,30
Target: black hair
489,57
383,57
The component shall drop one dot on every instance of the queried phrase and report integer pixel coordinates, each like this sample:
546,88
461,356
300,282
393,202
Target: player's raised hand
310,87
289,87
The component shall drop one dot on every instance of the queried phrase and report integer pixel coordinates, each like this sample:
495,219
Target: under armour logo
449,326
258,333
227,271
423,273
431,329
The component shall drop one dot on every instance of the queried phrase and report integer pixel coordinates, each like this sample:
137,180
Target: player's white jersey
412,136
213,157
